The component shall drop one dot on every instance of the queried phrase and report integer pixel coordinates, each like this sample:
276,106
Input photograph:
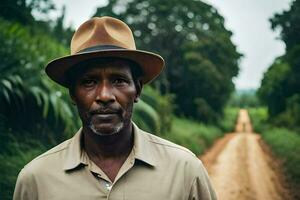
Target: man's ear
139,87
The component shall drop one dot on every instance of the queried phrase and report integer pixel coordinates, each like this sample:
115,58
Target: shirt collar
74,156
142,150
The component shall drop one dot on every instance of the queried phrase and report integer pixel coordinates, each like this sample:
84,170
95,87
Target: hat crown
103,37
100,31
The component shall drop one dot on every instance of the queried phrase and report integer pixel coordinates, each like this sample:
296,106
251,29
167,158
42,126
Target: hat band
99,48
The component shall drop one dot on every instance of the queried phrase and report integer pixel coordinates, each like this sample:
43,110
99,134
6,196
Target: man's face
104,95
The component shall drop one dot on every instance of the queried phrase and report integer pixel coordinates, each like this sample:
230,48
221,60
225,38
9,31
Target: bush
286,144
14,154
146,117
162,104
34,112
228,121
193,135
259,118
291,116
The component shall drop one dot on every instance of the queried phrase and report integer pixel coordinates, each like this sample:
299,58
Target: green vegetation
244,99
286,145
14,155
280,92
280,87
228,121
153,113
259,117
193,135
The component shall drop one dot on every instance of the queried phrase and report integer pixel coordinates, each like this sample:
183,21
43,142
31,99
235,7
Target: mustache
105,110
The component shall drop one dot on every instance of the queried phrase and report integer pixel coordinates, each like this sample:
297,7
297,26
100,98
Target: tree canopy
201,60
280,87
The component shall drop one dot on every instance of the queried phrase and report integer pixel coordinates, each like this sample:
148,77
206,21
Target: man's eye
120,81
88,82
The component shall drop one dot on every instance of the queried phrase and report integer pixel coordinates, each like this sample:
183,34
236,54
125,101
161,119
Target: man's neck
113,146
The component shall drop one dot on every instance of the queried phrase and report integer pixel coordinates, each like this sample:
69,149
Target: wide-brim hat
104,37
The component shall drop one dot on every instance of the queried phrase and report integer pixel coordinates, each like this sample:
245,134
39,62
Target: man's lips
105,112
101,115
104,116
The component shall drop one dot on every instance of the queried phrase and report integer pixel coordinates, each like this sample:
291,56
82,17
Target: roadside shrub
146,117
286,145
228,121
259,118
162,104
195,136
14,154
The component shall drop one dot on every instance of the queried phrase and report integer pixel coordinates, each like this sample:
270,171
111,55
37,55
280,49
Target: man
110,157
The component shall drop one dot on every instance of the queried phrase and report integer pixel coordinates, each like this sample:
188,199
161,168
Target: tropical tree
34,113
25,89
200,57
280,88
21,11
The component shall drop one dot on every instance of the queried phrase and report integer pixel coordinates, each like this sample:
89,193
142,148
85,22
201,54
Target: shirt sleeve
25,188
201,187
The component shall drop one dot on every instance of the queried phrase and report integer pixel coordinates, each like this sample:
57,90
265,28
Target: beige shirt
155,169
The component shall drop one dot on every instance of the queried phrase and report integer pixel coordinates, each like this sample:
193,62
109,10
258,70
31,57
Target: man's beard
117,128
123,121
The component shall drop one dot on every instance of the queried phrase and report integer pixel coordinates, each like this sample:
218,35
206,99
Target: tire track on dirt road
239,168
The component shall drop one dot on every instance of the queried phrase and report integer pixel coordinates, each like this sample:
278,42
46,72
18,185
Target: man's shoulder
167,153
48,158
167,146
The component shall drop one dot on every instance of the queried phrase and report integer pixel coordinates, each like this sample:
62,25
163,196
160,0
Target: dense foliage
244,99
280,87
22,10
34,113
200,57
259,119
29,100
193,135
286,145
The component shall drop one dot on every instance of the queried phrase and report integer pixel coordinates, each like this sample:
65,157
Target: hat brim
151,63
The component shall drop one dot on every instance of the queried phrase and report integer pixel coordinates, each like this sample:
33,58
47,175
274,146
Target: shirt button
108,186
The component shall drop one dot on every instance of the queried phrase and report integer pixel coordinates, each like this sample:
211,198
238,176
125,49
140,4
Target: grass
198,137
286,145
193,135
259,118
227,123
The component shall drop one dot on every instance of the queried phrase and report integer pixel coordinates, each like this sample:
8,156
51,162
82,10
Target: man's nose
105,93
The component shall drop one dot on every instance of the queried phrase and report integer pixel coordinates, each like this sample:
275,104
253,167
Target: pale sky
247,19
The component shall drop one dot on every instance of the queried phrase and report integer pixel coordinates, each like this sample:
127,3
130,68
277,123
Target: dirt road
240,169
